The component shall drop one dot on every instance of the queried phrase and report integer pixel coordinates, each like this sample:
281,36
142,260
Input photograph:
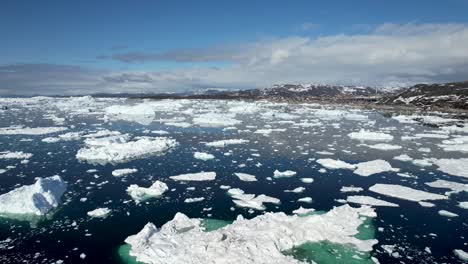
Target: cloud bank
390,54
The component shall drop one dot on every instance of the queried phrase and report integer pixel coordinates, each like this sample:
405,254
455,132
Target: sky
82,47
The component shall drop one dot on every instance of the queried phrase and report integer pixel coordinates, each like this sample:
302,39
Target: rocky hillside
448,95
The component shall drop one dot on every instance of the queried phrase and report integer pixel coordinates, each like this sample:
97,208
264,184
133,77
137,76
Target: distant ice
227,142
123,172
203,156
365,135
15,130
99,212
15,155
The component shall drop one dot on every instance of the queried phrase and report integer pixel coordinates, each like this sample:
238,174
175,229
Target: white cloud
390,54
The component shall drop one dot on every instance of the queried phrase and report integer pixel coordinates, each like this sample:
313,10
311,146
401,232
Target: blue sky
183,38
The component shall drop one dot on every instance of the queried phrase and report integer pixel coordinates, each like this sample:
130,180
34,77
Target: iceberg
284,174
123,172
263,239
203,156
15,155
123,150
365,135
227,142
245,177
99,212
139,194
36,199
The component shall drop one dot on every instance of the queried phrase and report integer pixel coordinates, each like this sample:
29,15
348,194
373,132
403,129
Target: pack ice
36,199
258,240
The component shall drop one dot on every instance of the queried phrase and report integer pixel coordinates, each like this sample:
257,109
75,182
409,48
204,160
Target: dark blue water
56,237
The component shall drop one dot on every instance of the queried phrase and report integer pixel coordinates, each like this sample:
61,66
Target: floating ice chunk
403,157
346,189
367,200
434,136
99,212
245,177
140,113
15,155
30,130
307,180
463,205
305,200
178,124
63,137
301,210
384,146
203,156
283,174
116,152
405,193
372,167
36,199
138,193
296,190
194,200
456,167
242,199
335,164
216,120
123,172
365,135
102,133
422,162
454,186
447,213
227,142
200,176
183,240
462,255
426,204
269,131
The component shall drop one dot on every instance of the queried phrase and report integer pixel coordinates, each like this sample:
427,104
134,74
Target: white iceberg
203,156
99,212
245,177
227,142
123,172
138,193
365,135
284,174
36,199
116,152
258,240
15,155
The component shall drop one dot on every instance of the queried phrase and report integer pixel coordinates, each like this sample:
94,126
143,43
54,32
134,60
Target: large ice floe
118,149
363,168
263,239
216,120
405,193
141,113
15,155
138,193
227,142
36,199
365,135
456,167
18,130
199,176
367,200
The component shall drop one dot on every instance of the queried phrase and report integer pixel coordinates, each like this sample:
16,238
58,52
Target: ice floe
455,187
367,200
373,167
227,142
194,200
203,156
199,176
284,174
365,135
183,240
456,167
253,201
15,155
462,255
138,193
123,150
447,213
30,130
335,164
123,172
36,199
99,212
405,193
245,177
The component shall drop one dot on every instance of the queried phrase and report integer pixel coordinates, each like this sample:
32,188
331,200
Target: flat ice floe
203,156
373,167
368,200
30,130
365,135
138,193
455,187
15,155
346,189
194,200
447,213
199,176
123,172
284,174
99,212
245,177
227,142
384,146
462,255
258,240
335,164
405,193
216,120
253,201
456,167
36,199
141,113
123,150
